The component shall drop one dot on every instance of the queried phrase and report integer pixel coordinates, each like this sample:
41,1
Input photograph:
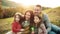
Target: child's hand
22,30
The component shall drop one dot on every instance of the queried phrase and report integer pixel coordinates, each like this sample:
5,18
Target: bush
7,12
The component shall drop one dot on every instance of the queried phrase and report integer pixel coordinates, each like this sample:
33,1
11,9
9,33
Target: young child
16,25
38,26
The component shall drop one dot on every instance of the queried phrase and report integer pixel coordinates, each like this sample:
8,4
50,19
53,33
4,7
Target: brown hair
38,25
20,17
38,6
31,15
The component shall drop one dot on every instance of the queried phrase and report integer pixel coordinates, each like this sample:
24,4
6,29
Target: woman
27,20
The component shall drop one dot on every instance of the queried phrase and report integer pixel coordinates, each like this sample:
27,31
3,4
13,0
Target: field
9,8
5,25
53,14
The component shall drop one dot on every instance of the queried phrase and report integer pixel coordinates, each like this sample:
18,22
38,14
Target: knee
51,32
55,28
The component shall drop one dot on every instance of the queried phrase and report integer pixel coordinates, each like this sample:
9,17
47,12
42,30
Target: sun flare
46,3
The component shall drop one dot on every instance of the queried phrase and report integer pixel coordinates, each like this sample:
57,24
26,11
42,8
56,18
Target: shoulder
42,24
14,23
45,15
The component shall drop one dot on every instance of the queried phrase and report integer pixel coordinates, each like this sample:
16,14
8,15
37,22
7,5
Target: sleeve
14,28
43,28
47,22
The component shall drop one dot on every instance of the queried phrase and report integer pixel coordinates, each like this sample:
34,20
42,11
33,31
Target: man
49,26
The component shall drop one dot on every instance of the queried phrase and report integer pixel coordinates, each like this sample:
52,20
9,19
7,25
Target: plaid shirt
26,26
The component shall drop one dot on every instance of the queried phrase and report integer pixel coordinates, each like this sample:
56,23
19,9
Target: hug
33,22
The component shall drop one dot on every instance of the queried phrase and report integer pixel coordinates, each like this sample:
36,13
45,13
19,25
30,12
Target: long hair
38,25
31,16
20,17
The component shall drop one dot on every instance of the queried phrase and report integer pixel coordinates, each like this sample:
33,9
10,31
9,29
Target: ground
5,25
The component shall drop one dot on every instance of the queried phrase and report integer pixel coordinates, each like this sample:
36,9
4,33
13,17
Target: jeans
51,32
55,29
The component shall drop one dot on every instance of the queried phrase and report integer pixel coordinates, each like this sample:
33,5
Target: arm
47,23
14,28
43,28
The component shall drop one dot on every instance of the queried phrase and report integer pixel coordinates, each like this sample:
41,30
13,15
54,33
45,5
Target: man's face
37,10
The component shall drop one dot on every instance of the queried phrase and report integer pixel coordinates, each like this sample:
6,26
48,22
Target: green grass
54,15
5,25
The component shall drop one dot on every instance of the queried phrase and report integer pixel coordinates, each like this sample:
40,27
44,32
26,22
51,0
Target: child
16,25
38,26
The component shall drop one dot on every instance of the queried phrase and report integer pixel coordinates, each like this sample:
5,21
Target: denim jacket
46,22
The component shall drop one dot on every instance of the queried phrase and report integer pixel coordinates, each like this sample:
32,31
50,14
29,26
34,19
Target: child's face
17,18
36,19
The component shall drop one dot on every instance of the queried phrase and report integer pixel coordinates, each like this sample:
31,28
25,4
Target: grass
5,25
54,15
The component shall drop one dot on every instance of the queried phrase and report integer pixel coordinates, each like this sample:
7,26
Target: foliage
7,12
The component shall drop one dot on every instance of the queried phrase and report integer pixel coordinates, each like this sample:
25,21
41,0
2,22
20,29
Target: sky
45,3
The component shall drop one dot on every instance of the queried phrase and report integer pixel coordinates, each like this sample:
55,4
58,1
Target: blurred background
9,7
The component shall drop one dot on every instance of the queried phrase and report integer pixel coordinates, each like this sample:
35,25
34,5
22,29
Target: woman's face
27,16
17,18
36,19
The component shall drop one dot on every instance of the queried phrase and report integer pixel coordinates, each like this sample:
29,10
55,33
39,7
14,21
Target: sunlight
46,3
25,2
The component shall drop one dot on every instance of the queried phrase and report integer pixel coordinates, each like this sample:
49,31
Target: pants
55,29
